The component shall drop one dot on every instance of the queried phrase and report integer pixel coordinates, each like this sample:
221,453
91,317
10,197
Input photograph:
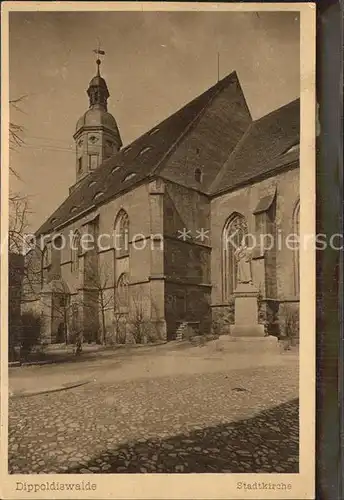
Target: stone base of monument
246,312
255,345
247,331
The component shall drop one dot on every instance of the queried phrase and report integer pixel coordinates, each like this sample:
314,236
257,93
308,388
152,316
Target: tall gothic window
296,251
122,289
121,242
233,233
46,254
75,252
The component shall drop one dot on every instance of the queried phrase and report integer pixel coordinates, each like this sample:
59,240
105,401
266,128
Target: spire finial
97,90
98,63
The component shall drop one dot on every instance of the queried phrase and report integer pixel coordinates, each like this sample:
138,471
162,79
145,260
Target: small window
73,209
144,150
127,149
93,139
79,165
292,149
98,195
53,220
115,169
154,131
92,183
93,162
198,175
129,176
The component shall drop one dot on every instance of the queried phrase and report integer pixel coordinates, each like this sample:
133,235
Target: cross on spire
99,52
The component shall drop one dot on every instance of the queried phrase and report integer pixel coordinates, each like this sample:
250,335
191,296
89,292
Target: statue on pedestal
243,257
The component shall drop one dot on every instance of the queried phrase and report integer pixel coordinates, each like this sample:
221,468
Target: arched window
44,264
121,241
233,233
75,251
296,251
122,290
46,257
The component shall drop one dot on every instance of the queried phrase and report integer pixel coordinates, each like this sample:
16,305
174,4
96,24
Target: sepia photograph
155,166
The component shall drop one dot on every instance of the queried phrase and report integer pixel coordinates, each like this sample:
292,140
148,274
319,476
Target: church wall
135,203
274,274
186,263
144,263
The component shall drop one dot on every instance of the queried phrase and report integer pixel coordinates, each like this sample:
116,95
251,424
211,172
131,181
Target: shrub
120,334
30,332
216,328
151,332
144,331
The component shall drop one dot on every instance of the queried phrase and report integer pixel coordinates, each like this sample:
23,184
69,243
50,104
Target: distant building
172,198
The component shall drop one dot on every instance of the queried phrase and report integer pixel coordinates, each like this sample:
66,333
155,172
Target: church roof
135,162
234,150
264,146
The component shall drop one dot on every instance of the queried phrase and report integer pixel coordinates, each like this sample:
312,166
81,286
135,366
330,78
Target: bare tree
99,280
16,130
18,204
142,327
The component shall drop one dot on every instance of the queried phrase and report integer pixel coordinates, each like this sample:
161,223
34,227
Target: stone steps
180,330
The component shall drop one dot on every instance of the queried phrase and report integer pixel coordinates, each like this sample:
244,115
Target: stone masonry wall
186,259
273,275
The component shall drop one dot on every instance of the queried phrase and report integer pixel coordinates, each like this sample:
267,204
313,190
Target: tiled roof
263,147
141,158
236,150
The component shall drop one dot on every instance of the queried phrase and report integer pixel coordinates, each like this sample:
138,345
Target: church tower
96,136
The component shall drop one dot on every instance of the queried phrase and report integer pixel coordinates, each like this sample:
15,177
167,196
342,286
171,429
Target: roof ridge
174,129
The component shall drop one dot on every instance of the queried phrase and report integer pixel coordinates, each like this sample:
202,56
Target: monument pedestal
248,345
246,312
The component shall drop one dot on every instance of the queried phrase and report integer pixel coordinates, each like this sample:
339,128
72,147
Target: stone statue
243,258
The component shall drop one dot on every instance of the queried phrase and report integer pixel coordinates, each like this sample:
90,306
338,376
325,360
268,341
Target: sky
155,63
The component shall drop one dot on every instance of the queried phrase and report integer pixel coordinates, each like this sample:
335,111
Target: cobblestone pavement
229,421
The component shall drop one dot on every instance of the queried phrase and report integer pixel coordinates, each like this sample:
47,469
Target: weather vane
99,52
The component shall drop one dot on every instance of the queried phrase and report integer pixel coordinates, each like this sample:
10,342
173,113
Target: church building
154,238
